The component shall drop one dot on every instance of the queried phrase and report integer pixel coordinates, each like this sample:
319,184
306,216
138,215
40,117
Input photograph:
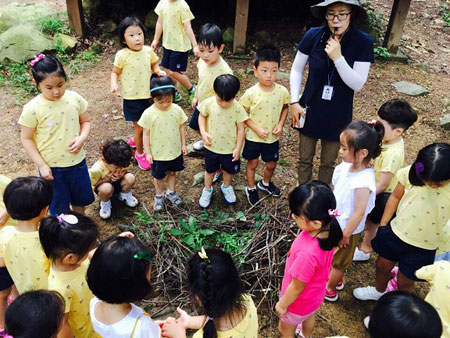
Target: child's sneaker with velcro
131,143
360,256
331,296
158,203
340,285
205,198
252,195
129,199
367,293
270,188
142,161
174,198
228,194
105,209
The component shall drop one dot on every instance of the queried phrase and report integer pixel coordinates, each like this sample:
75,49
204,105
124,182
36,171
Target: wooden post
240,26
395,25
76,16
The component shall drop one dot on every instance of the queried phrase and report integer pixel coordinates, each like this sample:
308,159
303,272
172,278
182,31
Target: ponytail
363,135
432,165
379,131
334,236
209,329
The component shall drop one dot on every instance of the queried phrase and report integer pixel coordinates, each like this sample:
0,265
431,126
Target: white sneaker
198,146
105,209
360,256
367,293
366,322
228,194
205,199
129,199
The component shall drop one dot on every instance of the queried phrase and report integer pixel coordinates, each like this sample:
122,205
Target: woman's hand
333,49
296,111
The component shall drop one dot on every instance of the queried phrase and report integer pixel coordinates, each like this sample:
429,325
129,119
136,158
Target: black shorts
160,168
377,211
268,151
214,162
193,122
410,258
133,109
116,185
5,279
175,61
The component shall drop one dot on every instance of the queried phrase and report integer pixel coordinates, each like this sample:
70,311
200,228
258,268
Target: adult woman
339,57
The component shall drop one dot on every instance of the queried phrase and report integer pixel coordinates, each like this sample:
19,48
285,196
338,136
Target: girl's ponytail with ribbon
36,59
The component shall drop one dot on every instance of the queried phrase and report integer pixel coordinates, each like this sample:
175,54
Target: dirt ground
425,40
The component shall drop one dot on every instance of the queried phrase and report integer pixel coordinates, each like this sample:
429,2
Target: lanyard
330,77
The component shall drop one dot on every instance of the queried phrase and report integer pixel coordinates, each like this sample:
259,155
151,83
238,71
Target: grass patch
53,24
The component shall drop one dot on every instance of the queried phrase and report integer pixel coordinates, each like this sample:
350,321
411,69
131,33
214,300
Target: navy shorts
160,168
214,162
175,61
410,258
5,279
193,122
116,185
71,186
133,109
268,151
377,211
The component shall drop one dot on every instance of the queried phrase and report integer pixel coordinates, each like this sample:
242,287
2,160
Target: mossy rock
68,42
13,14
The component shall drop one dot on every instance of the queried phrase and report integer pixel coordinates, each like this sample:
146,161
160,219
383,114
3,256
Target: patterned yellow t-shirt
164,127
174,15
221,124
4,181
24,258
264,109
247,328
56,124
136,72
97,172
390,160
423,214
207,75
438,274
74,289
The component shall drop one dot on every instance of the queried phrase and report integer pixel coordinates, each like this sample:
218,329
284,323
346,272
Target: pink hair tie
333,213
71,219
36,59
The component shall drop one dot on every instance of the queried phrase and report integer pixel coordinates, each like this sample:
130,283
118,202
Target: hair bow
333,213
71,219
143,255
36,59
202,254
419,167
373,123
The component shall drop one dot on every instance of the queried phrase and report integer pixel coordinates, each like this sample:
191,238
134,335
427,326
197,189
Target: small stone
117,117
283,75
439,22
239,187
405,37
445,121
446,102
410,88
105,116
114,111
258,177
426,15
199,178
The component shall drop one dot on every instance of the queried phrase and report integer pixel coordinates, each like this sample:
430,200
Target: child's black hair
159,81
26,197
363,135
226,86
398,113
124,24
118,271
401,314
35,313
210,34
431,165
60,238
216,282
117,152
313,200
46,66
268,53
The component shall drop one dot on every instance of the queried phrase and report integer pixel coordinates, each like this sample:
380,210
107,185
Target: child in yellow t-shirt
267,104
53,128
221,122
174,19
22,260
134,65
396,116
164,139
67,240
109,176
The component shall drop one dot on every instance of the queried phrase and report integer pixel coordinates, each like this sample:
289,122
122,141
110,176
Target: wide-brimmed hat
319,10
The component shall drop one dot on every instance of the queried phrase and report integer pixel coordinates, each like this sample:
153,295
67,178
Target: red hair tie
333,213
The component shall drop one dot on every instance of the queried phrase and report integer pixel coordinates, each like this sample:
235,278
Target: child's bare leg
138,138
286,330
208,179
369,234
180,77
159,186
227,178
3,305
78,209
308,326
171,180
268,171
250,172
384,267
105,192
404,283
335,276
127,182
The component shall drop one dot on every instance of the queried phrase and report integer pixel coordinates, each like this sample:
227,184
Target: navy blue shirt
326,119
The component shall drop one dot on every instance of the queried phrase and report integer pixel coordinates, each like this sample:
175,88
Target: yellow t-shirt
174,15
207,75
247,328
24,258
136,72
164,127
390,160
4,181
97,172
264,109
56,123
74,289
221,124
438,274
422,215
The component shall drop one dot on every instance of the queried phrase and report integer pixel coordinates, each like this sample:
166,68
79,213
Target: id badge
327,93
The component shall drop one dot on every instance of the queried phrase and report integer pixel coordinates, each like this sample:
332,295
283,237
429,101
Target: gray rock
67,42
446,102
150,19
22,42
283,75
191,152
199,178
410,88
445,121
110,26
426,15
13,14
228,35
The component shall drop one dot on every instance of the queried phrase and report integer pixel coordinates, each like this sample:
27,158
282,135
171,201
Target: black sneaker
271,189
252,195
